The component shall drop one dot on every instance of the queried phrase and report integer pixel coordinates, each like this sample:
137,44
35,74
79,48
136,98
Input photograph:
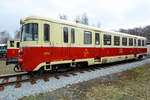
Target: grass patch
133,84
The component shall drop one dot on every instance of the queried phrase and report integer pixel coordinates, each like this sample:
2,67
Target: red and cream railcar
48,44
12,50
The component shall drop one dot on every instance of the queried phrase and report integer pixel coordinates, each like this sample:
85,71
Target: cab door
66,41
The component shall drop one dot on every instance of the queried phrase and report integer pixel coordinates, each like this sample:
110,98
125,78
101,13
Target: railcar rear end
12,51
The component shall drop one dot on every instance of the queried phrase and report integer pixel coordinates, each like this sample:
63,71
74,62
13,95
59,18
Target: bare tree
123,30
77,19
4,36
17,35
84,19
63,16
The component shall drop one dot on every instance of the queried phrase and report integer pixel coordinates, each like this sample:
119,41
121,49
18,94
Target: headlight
20,51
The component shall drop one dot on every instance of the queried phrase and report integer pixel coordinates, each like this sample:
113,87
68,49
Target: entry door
66,42
72,50
71,42
97,46
135,46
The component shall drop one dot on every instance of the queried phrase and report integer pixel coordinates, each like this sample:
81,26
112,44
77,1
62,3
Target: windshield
30,32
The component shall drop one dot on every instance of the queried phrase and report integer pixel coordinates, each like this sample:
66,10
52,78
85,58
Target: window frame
48,33
105,39
139,42
130,41
29,32
65,35
143,43
135,42
17,44
90,37
11,43
72,35
124,41
97,38
117,41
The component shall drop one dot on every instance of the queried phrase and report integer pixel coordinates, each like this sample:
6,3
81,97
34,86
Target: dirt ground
132,84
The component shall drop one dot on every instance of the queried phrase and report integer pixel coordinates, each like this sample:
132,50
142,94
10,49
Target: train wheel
55,68
41,71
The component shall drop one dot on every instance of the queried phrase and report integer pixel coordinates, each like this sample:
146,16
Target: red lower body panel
33,56
12,53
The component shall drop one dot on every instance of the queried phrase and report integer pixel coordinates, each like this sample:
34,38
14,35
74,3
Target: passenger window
87,37
18,44
66,34
97,39
130,42
11,43
142,42
107,39
116,40
124,41
134,42
72,35
46,32
139,42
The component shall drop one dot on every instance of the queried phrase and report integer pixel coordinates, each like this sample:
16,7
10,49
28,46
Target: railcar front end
31,51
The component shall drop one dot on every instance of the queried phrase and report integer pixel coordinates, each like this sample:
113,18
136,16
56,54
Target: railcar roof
79,25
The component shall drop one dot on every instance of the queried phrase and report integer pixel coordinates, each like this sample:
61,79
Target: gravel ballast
11,93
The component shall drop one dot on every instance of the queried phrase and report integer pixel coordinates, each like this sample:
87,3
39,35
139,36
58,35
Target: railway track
5,80
32,78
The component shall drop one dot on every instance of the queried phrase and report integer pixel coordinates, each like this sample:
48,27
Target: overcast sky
112,14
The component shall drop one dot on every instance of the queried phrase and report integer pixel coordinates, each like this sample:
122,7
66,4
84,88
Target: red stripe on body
33,56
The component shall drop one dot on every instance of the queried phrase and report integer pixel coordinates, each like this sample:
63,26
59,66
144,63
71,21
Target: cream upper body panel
56,34
13,44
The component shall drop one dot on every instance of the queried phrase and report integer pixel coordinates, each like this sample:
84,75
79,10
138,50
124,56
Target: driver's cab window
11,43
